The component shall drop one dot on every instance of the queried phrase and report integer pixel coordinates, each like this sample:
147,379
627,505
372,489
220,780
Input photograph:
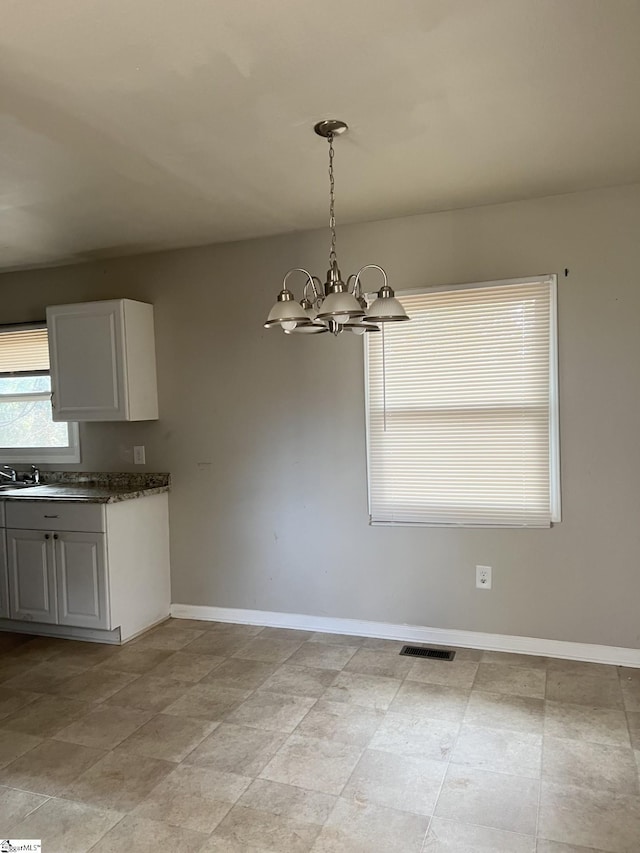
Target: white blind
459,403
23,350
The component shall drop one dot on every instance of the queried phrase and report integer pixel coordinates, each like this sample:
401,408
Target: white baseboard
590,652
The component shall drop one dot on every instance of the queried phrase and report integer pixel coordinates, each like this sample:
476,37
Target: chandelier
333,306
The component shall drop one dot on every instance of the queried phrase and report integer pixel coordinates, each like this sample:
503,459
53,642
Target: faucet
12,475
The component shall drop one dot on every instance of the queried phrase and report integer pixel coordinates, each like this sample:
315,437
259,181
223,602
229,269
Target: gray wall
264,434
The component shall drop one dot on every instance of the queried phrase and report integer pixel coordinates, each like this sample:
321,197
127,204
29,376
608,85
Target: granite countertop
101,488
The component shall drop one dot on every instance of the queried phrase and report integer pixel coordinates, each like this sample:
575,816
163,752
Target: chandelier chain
332,201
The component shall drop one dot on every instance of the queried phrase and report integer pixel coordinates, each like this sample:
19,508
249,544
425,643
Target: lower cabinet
58,577
94,571
32,584
81,579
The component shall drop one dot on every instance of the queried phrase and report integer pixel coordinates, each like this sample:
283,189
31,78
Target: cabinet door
87,353
81,575
32,584
4,578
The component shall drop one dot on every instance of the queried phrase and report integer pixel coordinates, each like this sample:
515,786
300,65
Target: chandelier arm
361,270
317,286
298,269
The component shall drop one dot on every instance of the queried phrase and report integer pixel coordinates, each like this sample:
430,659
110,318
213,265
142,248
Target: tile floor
233,739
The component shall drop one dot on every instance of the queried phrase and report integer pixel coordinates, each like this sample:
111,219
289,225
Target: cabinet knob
55,535
46,535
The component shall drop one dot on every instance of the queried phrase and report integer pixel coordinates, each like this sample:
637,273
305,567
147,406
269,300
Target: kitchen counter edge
87,494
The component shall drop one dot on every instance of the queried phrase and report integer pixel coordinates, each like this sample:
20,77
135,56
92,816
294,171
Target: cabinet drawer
55,515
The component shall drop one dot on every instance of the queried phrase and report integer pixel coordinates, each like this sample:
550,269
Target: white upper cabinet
103,361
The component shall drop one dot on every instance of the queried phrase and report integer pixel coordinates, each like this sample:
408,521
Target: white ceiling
133,125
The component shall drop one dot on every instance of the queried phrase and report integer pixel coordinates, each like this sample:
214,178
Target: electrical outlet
483,577
138,454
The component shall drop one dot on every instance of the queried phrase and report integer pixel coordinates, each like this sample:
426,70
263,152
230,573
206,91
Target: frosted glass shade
287,310
310,329
340,304
359,327
386,309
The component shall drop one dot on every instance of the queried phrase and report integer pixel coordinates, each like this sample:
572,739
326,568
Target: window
462,413
27,431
